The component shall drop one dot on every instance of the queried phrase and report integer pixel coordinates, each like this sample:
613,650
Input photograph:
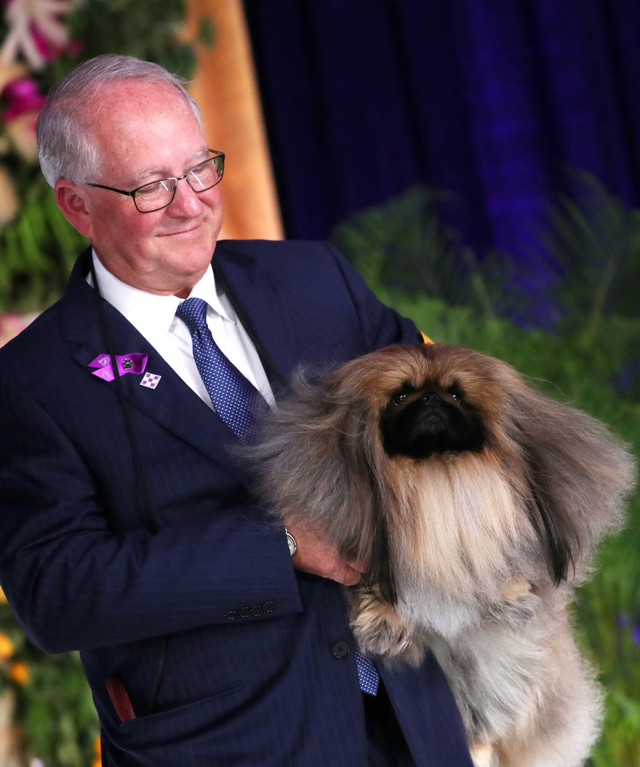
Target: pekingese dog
477,502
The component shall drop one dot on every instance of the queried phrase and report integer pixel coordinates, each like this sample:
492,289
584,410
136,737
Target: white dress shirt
154,317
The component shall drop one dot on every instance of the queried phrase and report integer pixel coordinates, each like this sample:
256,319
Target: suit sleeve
75,585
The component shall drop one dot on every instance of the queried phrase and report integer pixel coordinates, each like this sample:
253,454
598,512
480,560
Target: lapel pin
127,363
150,380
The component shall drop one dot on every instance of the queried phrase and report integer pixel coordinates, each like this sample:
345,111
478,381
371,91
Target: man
127,526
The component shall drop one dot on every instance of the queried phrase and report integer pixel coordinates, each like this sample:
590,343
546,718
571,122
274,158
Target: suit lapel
262,309
172,404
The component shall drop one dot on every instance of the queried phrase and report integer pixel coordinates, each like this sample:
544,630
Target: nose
430,398
186,202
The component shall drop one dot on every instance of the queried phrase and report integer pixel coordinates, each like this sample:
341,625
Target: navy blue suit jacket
159,603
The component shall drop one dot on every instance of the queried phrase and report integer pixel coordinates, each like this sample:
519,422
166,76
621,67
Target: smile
182,232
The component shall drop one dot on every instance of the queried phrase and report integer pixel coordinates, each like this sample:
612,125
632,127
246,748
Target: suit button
340,649
245,612
232,615
270,606
256,611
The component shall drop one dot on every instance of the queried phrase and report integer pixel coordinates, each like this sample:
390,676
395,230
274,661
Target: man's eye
150,189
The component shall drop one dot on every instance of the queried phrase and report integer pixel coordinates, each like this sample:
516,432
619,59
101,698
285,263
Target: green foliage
596,243
38,250
54,705
405,246
581,362
135,28
206,32
60,715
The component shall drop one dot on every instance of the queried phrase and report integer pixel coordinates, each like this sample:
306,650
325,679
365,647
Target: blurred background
477,160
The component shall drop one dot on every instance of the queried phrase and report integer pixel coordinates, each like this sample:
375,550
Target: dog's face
375,438
433,399
432,418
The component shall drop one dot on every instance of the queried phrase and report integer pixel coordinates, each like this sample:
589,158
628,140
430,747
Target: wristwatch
293,546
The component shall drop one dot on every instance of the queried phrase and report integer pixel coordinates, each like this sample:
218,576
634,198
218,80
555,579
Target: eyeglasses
159,194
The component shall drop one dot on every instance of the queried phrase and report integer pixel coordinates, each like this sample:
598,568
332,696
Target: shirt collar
152,315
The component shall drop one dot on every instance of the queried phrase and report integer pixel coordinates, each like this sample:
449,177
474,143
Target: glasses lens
155,195
207,174
159,194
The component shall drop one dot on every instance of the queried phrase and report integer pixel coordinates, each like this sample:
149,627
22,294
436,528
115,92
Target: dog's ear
359,481
317,460
579,476
311,464
381,571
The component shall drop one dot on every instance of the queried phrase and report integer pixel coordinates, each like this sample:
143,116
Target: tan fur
483,754
470,536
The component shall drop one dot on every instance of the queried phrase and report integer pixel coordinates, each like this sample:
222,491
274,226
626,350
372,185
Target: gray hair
65,145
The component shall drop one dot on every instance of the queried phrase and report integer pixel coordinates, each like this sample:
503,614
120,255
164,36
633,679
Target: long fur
473,546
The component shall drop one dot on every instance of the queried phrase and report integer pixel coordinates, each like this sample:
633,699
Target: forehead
142,126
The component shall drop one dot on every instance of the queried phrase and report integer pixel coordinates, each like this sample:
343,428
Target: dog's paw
483,754
379,630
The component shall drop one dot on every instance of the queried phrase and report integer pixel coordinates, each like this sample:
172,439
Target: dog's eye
402,393
456,392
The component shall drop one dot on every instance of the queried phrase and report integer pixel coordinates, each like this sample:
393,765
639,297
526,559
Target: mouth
431,414
190,229
432,422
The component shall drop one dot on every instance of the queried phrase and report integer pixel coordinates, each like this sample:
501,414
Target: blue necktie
234,398
367,674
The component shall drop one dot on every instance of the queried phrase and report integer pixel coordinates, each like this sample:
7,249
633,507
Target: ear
579,477
382,570
552,515
72,200
364,452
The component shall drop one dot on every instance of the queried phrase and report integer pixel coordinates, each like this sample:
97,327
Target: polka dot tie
367,674
234,397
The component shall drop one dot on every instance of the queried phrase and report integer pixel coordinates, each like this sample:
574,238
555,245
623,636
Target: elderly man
127,527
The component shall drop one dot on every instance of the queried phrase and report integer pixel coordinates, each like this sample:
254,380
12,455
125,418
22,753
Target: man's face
144,132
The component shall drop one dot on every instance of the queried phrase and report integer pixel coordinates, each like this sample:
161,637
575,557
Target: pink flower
23,96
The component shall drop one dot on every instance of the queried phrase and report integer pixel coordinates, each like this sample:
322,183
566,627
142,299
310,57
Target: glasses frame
215,156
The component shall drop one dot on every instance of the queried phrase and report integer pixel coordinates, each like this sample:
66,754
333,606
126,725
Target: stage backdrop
492,99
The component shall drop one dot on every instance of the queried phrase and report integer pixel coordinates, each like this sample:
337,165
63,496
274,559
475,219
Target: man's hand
318,557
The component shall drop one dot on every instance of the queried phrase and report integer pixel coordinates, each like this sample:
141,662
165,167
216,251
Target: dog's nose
430,398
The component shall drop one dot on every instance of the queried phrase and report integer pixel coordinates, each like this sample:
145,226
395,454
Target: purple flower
635,633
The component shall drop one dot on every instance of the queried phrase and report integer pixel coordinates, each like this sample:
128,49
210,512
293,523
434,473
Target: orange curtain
225,87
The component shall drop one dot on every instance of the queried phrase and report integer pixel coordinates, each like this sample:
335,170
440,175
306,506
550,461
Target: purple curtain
491,99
